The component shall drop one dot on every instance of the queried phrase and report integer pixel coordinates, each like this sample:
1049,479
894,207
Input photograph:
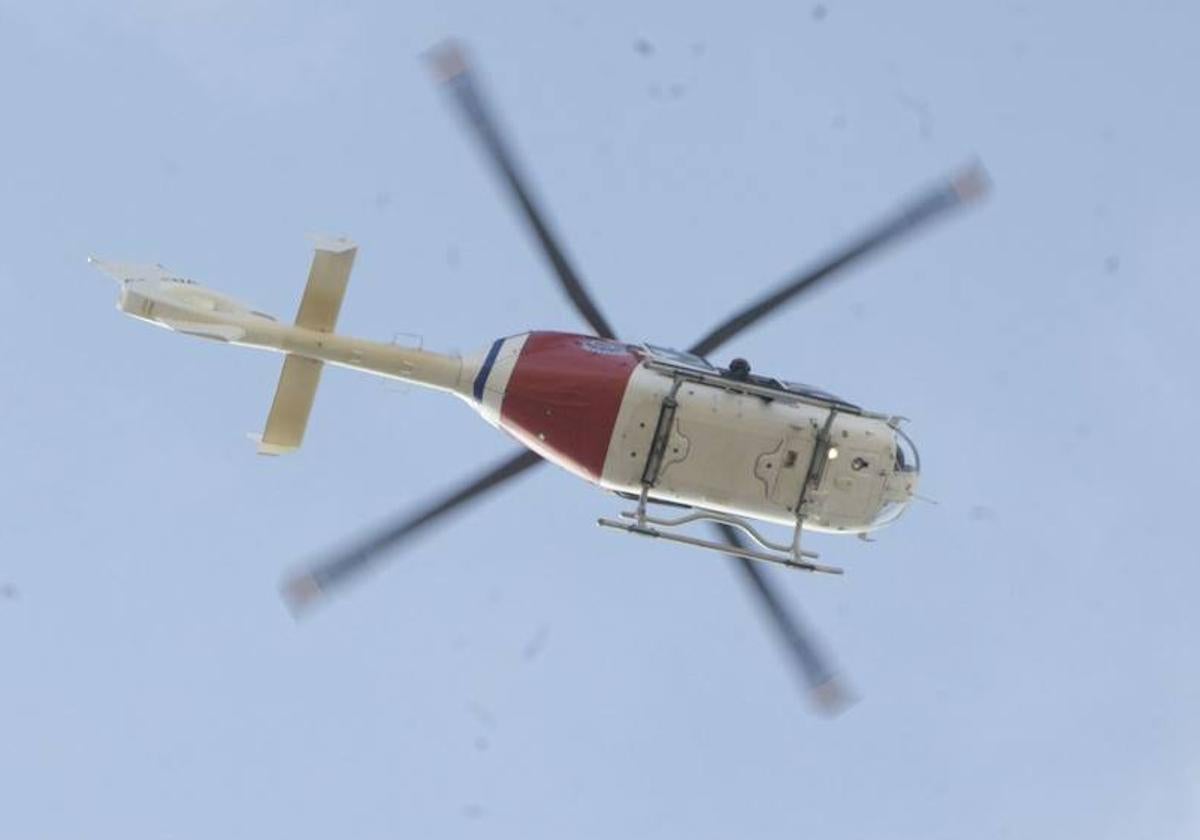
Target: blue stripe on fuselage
485,371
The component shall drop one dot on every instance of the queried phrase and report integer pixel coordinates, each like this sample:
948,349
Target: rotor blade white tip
300,593
447,60
973,182
832,697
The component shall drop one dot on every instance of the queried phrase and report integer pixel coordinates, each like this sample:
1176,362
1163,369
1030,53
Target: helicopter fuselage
633,419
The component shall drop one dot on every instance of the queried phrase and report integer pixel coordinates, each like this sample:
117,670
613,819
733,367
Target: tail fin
319,308
155,294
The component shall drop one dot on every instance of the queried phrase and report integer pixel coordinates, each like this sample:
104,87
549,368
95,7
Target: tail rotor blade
960,189
828,693
301,590
451,69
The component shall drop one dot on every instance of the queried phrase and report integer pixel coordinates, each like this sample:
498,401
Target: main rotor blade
302,589
822,681
450,66
960,189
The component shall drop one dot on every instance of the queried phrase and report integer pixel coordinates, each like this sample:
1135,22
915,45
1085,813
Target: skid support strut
792,556
638,522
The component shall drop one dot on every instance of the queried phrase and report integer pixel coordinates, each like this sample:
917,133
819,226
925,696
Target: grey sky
1024,649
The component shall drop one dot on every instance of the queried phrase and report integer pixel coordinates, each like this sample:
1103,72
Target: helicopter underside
609,413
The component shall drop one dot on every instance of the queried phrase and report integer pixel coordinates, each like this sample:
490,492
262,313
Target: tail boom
154,294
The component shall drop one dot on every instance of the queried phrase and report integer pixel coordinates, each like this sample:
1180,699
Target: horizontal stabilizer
293,403
319,308
327,279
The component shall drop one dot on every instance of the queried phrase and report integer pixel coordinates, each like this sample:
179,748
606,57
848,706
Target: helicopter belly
725,450
590,406
741,454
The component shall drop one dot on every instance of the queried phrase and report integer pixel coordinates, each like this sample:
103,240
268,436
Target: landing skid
792,556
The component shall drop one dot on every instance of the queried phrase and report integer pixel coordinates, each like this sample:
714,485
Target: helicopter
682,439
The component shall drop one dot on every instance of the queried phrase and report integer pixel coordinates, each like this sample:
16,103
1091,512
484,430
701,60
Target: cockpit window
683,359
679,357
817,394
908,460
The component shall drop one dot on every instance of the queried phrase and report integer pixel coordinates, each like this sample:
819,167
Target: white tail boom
152,293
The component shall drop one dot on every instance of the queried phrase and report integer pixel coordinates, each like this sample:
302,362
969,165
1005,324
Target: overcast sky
1024,650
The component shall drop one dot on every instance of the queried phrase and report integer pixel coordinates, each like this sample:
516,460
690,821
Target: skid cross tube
790,556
